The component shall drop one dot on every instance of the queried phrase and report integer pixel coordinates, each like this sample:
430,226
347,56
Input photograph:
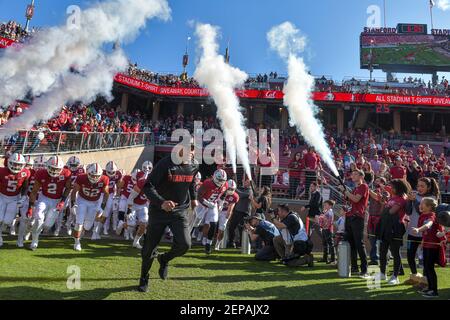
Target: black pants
267,253
430,258
236,221
328,247
412,246
293,185
394,247
159,220
354,234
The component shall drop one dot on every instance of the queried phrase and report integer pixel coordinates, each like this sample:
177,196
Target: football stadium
122,181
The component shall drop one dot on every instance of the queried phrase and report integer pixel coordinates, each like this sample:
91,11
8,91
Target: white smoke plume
221,80
288,41
443,5
43,65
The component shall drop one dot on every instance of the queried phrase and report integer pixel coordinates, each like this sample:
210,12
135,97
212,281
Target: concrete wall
126,159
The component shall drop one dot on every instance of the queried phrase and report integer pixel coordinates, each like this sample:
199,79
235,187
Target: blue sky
332,27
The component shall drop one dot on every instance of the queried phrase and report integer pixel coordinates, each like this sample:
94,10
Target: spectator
392,228
326,220
295,171
354,222
314,206
378,196
398,171
426,188
433,234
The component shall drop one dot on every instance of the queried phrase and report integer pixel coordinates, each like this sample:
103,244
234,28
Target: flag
432,4
227,55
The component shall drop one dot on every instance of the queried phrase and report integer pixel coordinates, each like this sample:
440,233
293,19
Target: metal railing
33,142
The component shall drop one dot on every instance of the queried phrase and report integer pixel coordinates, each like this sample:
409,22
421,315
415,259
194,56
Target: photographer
266,232
293,238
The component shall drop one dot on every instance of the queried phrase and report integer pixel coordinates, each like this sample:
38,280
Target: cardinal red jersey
76,173
230,200
89,191
141,199
211,192
53,188
113,181
127,187
142,175
10,183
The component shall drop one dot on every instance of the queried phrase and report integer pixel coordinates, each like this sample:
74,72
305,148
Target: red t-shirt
429,238
295,169
401,202
397,172
311,161
359,209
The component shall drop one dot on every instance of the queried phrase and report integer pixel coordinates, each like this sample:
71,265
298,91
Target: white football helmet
111,169
54,166
73,163
232,186
134,175
39,163
219,178
29,162
94,172
147,167
16,163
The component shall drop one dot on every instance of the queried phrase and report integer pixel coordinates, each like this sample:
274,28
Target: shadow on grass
26,293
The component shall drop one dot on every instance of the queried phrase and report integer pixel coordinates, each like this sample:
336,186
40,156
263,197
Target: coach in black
170,189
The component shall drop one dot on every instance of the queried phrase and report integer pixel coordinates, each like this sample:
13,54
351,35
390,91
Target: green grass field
423,56
109,270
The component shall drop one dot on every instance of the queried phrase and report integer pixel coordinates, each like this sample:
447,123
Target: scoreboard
404,28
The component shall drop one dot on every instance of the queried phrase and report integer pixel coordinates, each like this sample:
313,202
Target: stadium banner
391,99
5,43
278,95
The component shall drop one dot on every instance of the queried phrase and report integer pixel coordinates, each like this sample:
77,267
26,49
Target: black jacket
171,182
315,204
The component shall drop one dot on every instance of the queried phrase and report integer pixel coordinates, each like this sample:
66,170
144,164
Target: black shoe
163,268
430,294
355,271
231,245
332,261
208,249
310,259
143,285
323,260
373,263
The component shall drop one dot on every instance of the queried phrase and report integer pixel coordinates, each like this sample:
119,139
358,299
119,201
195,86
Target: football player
13,190
138,208
76,168
115,176
53,186
226,206
89,197
126,185
147,168
209,195
25,224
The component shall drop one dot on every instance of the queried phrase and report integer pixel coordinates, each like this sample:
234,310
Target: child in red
432,235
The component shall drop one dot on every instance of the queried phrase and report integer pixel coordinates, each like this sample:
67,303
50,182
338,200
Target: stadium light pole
29,14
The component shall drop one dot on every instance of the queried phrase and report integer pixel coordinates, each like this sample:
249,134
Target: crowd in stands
14,31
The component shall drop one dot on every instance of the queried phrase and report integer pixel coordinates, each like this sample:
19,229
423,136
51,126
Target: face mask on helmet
15,167
230,192
94,178
54,171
